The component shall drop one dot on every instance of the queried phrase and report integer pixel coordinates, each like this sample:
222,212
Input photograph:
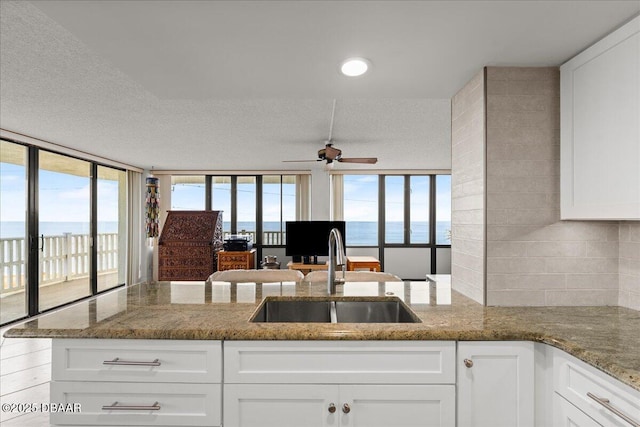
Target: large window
13,231
187,193
361,210
443,210
278,207
419,209
221,199
258,205
62,229
112,227
64,208
416,210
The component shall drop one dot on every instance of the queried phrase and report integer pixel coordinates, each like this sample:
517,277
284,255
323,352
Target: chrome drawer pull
117,361
115,406
605,402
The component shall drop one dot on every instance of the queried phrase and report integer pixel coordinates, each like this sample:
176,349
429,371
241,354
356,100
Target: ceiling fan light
354,67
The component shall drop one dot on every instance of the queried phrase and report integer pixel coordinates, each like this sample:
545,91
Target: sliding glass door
64,210
13,231
112,227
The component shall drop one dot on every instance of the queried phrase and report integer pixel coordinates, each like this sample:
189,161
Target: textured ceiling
244,85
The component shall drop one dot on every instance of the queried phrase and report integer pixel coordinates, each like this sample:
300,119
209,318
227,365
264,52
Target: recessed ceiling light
354,67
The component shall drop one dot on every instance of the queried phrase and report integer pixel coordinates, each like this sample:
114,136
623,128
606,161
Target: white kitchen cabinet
137,382
600,129
308,383
567,415
595,394
294,405
495,384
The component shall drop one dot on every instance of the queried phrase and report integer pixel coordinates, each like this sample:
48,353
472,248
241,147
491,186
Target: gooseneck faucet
336,257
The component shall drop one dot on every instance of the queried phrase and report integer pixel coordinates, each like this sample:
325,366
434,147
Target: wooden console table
237,260
306,268
362,262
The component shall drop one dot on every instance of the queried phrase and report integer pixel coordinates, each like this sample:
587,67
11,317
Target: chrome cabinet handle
607,404
117,361
115,406
468,363
346,408
332,408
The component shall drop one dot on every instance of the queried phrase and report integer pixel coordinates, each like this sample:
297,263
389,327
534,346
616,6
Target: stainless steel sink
293,311
334,310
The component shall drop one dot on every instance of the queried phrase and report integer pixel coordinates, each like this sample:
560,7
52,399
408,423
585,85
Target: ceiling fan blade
299,161
370,160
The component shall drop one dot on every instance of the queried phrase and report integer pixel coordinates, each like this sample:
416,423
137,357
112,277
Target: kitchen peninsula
603,337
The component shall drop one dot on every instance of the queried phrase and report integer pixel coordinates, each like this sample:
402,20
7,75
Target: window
394,209
416,209
278,207
245,201
187,193
221,199
443,210
112,227
406,209
64,208
246,206
419,209
75,213
13,231
361,210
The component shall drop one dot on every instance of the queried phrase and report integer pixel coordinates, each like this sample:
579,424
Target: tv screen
310,238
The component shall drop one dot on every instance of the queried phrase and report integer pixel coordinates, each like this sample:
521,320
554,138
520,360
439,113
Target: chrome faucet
336,257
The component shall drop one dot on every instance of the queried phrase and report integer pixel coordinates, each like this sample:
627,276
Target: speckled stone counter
605,337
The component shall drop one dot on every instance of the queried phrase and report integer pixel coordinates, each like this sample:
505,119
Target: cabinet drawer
332,362
171,404
567,415
137,360
573,379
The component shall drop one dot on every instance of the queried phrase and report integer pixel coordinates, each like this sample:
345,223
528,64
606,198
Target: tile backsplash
529,257
629,265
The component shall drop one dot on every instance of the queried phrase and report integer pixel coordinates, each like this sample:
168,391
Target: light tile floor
25,373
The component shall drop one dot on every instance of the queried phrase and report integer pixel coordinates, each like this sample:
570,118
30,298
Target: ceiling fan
330,153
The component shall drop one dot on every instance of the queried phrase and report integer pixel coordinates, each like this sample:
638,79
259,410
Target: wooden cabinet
495,384
137,382
189,244
596,395
237,260
600,129
296,383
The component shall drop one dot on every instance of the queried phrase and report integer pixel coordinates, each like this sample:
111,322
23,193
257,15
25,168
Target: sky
63,197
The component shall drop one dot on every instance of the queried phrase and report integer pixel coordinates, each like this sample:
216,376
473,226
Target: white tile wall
467,189
629,265
533,258
508,241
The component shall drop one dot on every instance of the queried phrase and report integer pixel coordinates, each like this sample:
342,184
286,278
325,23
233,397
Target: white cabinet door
397,405
600,129
296,405
495,384
280,405
567,415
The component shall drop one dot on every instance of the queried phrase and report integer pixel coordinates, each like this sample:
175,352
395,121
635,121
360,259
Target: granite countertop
605,337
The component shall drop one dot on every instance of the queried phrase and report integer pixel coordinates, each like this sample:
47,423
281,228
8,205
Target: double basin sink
334,310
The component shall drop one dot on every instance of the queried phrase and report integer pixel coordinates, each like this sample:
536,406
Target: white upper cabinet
600,129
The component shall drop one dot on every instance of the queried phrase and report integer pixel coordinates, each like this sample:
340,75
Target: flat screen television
306,239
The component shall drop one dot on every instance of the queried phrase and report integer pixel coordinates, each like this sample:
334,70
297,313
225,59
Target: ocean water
359,233
14,229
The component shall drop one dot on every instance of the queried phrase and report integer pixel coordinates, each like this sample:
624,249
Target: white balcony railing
62,258
66,257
